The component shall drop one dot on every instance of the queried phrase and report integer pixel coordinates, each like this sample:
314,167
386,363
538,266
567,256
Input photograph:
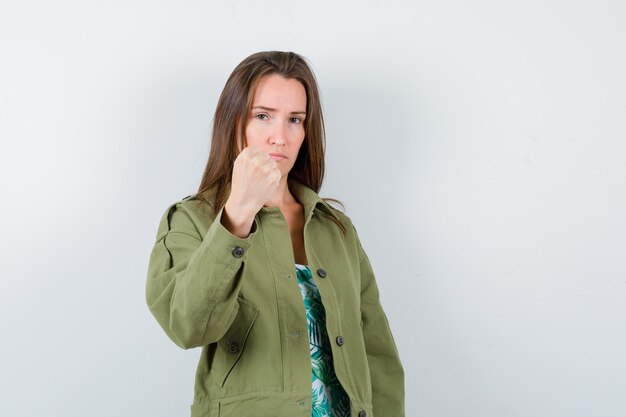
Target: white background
489,136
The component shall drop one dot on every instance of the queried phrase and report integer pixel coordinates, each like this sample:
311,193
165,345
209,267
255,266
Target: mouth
277,156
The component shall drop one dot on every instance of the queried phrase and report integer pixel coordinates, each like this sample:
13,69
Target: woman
263,274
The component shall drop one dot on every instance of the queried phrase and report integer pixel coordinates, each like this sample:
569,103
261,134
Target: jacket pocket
231,346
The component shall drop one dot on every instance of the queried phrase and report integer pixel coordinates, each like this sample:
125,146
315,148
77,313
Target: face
276,119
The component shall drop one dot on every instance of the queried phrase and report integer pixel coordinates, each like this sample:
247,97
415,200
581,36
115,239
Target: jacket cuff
224,245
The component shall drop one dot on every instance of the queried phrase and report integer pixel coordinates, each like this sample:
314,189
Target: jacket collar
310,200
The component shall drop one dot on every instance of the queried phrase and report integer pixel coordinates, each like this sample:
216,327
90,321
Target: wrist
237,219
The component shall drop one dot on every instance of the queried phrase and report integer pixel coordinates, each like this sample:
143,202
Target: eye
262,116
295,120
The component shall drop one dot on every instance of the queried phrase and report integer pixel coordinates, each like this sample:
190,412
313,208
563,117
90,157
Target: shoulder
341,215
336,212
187,215
352,234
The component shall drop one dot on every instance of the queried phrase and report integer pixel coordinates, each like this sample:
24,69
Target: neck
281,197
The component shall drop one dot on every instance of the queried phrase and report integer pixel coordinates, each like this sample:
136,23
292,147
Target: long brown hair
232,110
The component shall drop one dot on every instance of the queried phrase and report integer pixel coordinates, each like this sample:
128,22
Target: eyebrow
271,109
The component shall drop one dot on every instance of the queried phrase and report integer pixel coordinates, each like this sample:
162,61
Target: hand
255,179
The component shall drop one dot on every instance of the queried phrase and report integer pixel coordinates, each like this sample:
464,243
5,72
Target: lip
277,156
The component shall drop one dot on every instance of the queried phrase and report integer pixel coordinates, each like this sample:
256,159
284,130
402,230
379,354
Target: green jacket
239,300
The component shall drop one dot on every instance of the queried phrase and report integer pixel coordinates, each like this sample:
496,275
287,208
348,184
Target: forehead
277,92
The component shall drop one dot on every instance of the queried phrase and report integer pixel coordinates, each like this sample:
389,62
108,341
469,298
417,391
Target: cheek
297,134
253,133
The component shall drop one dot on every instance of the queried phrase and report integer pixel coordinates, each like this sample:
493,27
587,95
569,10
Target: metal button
339,340
362,413
233,348
322,272
237,252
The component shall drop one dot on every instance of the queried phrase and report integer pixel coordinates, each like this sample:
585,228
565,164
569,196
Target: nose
278,135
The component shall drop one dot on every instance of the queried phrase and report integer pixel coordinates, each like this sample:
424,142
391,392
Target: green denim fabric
238,299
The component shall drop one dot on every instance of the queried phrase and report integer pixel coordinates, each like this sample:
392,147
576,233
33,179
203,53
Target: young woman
263,274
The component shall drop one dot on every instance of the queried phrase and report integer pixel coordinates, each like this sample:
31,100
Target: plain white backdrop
489,136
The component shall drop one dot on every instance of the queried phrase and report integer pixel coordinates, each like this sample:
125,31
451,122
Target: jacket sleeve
193,280
386,370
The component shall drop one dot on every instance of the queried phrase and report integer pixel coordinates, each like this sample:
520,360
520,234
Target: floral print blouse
329,397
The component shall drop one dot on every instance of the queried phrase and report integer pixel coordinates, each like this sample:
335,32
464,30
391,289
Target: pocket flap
232,344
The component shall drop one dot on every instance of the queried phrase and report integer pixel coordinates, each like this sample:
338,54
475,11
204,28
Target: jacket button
339,340
233,348
237,252
362,413
321,272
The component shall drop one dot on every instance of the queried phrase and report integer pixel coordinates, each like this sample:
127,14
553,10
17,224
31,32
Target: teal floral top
329,397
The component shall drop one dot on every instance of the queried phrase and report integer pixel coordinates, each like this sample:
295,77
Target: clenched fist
255,179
